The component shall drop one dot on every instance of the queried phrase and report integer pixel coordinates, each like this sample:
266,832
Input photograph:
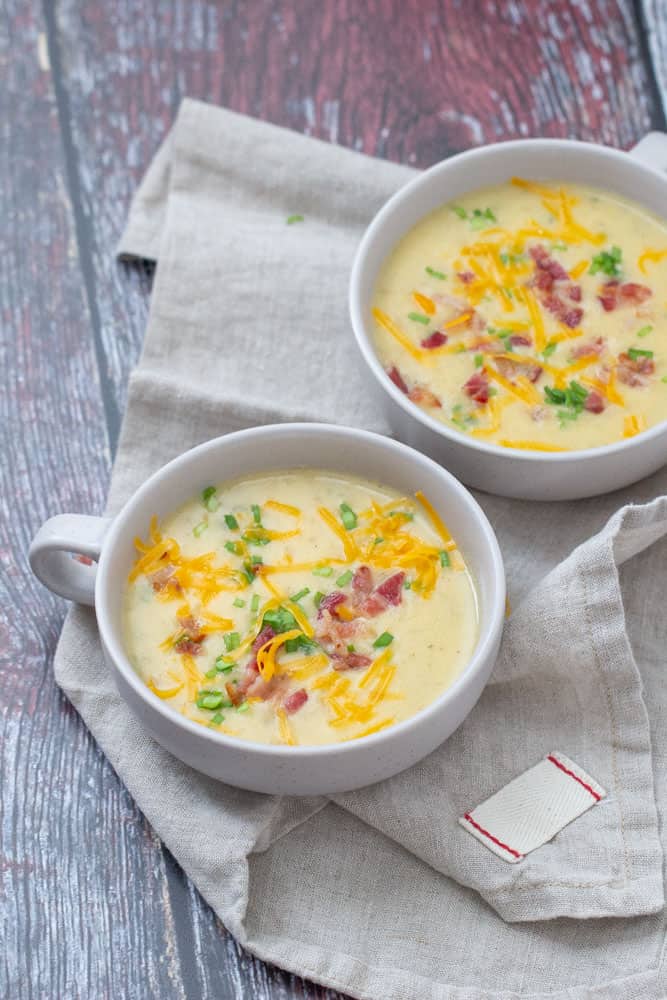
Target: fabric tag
533,808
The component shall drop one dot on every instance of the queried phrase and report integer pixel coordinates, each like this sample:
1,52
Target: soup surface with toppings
531,316
299,607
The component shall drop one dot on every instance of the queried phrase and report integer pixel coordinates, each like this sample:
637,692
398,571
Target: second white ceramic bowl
509,472
300,770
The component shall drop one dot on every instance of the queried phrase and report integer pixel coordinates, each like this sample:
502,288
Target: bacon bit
634,372
518,340
233,693
84,560
162,578
466,277
374,605
362,581
555,287
189,646
397,379
548,268
424,397
539,413
590,349
264,636
273,689
477,387
594,402
614,295
568,315
295,701
487,346
192,627
436,339
392,588
330,603
513,369
350,661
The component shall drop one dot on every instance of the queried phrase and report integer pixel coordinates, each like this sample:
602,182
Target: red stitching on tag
554,760
495,840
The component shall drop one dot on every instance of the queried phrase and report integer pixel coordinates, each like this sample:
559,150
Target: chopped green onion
222,665
209,699
549,349
344,578
322,571
256,513
634,353
211,673
444,558
318,598
256,560
555,396
239,602
209,498
232,641
248,573
664,378
233,547
419,318
479,360
217,719
291,219
255,540
383,640
254,604
243,707
280,620
558,246
480,219
407,585
348,517
302,593
607,261
435,274
291,646
231,522
378,541
350,648
460,211
200,528
644,332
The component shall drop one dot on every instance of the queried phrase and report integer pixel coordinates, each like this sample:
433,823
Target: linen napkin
371,893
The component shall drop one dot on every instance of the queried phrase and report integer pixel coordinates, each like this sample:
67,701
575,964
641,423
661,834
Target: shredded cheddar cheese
397,334
266,654
428,305
165,692
654,256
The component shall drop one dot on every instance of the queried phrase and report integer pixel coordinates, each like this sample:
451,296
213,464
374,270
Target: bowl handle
64,553
652,150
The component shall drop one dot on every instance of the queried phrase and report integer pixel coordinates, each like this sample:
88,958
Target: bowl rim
364,340
490,623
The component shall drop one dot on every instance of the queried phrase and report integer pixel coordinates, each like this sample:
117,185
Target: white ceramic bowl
510,472
257,766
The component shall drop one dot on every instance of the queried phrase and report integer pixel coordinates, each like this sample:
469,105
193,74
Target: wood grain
92,906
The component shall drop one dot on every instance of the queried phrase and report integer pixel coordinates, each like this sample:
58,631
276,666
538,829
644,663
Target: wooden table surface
92,906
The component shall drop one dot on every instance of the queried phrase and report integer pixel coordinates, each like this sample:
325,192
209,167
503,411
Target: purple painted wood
92,906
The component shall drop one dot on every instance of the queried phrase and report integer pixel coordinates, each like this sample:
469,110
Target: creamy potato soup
530,315
299,607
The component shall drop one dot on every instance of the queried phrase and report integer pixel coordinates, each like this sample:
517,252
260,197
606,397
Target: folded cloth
371,893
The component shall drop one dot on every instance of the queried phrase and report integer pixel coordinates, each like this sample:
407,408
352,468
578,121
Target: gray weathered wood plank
71,840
